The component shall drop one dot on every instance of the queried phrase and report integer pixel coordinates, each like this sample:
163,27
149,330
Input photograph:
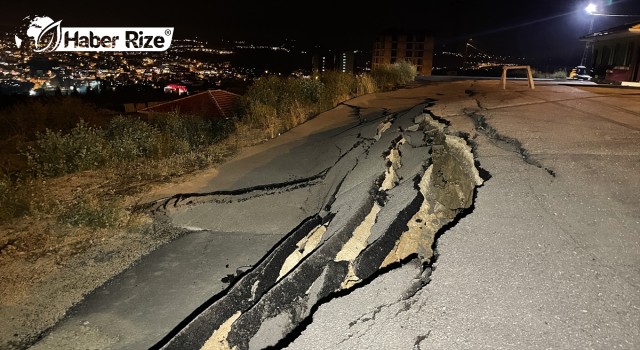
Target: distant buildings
616,53
190,62
392,48
330,60
176,89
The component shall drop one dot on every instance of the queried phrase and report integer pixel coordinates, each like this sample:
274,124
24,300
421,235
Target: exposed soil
47,266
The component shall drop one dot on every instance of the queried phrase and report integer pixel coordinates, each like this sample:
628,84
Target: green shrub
392,76
337,87
180,134
275,104
557,74
264,117
311,90
365,84
221,129
54,154
266,90
406,72
384,77
131,138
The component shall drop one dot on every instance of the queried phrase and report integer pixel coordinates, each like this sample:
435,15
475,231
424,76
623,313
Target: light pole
591,10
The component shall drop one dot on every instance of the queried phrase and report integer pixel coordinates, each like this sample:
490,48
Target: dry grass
560,74
65,236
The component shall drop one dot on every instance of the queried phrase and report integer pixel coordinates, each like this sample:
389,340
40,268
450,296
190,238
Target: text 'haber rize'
133,39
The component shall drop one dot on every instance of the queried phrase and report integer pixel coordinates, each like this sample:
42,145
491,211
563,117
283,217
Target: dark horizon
542,30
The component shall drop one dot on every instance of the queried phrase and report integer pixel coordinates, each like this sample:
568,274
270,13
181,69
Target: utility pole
588,45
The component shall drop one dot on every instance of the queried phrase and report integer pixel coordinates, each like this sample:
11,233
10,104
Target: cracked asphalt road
401,178
548,257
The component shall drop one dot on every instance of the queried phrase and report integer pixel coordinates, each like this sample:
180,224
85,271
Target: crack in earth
365,229
505,142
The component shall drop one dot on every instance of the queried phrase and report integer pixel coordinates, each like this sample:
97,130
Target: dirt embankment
47,266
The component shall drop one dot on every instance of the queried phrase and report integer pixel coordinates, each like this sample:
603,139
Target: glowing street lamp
592,10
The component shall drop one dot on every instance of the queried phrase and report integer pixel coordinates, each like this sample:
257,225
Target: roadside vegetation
64,135
558,74
71,176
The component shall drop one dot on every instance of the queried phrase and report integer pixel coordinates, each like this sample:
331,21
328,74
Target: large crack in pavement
388,200
243,194
505,142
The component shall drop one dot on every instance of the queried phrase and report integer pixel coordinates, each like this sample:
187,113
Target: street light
591,10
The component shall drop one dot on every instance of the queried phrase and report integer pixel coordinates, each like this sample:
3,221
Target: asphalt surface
548,257
395,179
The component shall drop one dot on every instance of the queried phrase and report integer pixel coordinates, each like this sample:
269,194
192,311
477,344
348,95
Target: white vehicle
579,73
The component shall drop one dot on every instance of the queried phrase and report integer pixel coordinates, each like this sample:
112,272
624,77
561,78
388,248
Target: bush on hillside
336,87
365,84
557,74
123,140
131,138
54,153
392,76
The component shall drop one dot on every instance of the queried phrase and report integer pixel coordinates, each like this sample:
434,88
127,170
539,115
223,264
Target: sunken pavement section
376,198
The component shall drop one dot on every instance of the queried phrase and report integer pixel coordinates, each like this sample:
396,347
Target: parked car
579,73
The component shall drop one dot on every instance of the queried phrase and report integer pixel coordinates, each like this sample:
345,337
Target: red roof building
211,104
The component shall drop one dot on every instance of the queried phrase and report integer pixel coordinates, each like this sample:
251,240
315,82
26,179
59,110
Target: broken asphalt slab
372,219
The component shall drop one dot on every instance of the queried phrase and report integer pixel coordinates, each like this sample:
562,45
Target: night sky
544,29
